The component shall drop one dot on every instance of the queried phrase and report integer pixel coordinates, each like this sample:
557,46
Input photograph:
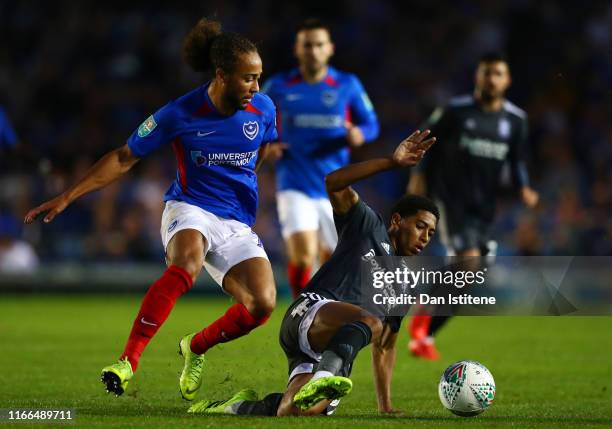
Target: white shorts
229,241
298,212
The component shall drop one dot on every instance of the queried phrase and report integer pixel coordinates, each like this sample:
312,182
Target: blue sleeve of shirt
8,137
270,133
268,87
158,129
362,111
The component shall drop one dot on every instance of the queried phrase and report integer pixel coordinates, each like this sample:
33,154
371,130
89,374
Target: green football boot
191,377
116,376
223,407
311,393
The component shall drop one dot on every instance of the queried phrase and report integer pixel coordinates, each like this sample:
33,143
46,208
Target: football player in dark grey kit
329,323
477,135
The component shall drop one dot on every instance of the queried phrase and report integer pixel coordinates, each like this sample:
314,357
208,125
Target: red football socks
154,310
419,327
236,322
298,278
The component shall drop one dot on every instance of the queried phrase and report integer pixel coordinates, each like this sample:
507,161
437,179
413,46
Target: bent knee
304,260
190,261
186,250
263,305
374,323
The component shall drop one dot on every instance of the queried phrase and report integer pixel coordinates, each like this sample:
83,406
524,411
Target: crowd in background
76,78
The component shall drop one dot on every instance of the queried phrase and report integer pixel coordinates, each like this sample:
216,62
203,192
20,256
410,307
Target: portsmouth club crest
250,129
329,98
197,158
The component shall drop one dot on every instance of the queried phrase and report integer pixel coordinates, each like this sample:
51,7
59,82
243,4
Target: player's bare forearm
106,170
417,184
341,195
261,157
383,372
346,176
529,196
383,362
407,154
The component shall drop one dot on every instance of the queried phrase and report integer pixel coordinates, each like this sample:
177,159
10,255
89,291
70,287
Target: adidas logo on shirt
369,255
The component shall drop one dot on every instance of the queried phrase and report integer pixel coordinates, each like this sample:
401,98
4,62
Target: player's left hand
275,151
412,149
529,196
354,135
53,207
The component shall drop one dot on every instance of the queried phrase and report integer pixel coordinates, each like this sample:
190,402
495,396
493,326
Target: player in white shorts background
216,131
322,113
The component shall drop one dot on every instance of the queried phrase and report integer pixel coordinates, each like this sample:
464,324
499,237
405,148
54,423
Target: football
466,388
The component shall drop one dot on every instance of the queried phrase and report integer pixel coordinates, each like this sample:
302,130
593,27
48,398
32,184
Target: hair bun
197,44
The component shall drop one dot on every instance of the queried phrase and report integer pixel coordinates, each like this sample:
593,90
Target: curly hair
409,205
207,47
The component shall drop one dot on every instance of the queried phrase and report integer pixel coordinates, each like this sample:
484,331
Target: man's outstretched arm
383,362
407,154
108,169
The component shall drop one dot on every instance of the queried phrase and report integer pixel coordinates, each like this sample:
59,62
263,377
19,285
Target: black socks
344,346
436,323
268,406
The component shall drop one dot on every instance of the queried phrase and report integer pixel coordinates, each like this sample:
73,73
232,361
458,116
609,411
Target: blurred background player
216,131
322,113
478,134
330,322
8,144
16,255
8,137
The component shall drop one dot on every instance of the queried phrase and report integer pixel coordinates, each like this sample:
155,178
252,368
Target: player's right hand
410,151
53,207
275,151
529,196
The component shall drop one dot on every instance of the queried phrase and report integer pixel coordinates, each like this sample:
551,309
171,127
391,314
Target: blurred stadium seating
76,78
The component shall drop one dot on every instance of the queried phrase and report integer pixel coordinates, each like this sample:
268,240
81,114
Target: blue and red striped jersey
311,120
216,154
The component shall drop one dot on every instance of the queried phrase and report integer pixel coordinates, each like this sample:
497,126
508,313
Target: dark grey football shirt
463,168
362,235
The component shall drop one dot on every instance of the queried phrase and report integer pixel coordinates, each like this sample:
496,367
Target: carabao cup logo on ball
467,388
250,129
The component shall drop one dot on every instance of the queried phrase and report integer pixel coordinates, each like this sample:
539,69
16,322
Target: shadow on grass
181,413
478,419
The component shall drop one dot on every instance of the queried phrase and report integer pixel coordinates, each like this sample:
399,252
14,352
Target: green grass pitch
550,372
